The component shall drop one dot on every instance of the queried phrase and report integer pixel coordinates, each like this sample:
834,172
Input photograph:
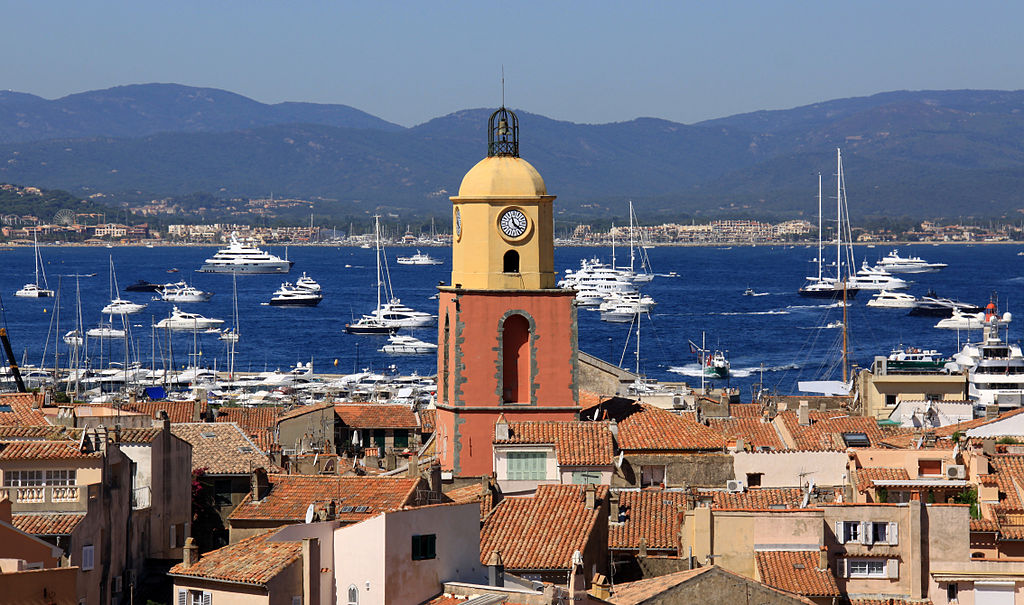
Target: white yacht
308,283
182,292
105,331
622,307
995,371
874,278
960,320
839,286
894,263
394,314
181,320
408,345
34,290
289,295
893,300
419,259
589,298
120,306
242,257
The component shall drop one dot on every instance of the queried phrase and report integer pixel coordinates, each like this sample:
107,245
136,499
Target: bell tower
506,333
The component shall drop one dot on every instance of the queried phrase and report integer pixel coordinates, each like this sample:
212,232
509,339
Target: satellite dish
309,514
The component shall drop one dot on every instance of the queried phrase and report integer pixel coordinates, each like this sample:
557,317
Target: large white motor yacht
182,292
399,344
121,306
181,320
308,283
894,263
873,278
396,315
289,295
893,300
995,371
242,257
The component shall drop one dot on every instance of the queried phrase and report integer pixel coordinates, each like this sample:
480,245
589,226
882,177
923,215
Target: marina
778,332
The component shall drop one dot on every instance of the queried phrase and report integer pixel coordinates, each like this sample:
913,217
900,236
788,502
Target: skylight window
856,440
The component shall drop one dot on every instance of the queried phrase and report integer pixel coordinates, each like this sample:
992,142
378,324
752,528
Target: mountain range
915,154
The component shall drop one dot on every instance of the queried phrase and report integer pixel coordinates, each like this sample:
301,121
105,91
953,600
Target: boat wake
694,370
774,312
835,305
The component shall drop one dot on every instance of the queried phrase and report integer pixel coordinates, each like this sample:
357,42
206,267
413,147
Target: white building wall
793,469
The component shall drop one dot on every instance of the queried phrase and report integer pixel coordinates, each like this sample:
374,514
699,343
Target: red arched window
516,360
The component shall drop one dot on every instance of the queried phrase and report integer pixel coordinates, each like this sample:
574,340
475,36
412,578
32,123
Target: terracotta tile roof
577,443
1008,472
890,601
18,433
649,515
644,591
984,525
47,524
291,495
253,560
44,450
302,409
865,476
138,435
745,410
259,418
796,571
652,428
177,411
473,493
21,413
826,429
514,527
221,448
428,420
752,430
376,415
760,498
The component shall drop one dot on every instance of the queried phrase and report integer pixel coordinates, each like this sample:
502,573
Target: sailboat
644,274
231,334
118,305
387,317
34,290
823,286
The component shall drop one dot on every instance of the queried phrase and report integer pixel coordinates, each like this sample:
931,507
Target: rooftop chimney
991,411
189,553
599,587
823,557
613,513
260,484
613,427
414,466
501,429
590,496
803,413
577,583
495,570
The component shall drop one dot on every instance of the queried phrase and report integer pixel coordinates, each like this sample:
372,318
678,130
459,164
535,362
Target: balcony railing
39,497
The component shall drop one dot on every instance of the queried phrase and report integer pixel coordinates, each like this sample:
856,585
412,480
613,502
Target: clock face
513,223
458,223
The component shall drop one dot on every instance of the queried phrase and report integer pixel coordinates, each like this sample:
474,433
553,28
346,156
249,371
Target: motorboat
894,263
622,308
893,300
142,286
932,305
873,278
973,321
913,359
105,331
289,295
308,283
418,259
229,335
394,313
182,320
35,290
589,298
73,338
716,365
369,326
243,257
120,306
181,292
400,344
994,369
828,288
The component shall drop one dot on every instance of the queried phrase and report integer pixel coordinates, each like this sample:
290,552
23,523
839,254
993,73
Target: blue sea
778,335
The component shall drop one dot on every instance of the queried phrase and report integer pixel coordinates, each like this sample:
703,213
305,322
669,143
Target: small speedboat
749,292
369,326
716,365
142,286
408,345
293,296
893,300
182,320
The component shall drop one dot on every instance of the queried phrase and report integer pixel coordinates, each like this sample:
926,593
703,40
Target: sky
587,62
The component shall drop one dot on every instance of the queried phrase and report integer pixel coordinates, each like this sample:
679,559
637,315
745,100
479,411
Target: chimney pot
823,557
590,496
189,553
803,413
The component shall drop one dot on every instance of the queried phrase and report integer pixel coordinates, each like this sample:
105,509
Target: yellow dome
502,177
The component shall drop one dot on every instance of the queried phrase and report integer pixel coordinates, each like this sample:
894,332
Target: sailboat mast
376,232
612,233
845,342
630,236
839,215
35,246
820,250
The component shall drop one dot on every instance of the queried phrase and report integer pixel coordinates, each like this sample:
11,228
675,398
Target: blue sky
581,61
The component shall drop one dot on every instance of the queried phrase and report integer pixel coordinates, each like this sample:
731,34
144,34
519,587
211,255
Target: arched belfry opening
503,134
510,262
515,358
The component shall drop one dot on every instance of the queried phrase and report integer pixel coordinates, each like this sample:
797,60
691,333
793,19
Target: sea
773,340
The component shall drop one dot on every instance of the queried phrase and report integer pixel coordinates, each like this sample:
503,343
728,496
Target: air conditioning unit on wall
956,471
734,486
